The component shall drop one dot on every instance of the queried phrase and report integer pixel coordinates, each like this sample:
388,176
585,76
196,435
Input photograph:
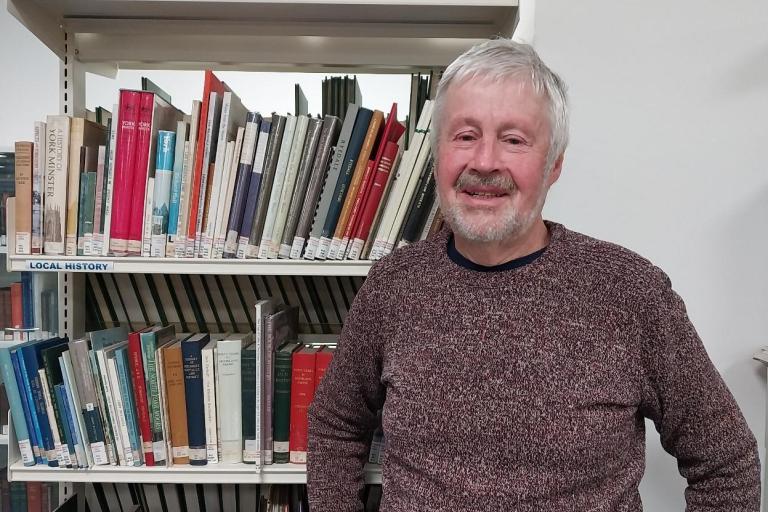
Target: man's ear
554,174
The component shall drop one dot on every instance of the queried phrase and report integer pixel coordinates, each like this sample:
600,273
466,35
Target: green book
89,205
282,402
53,374
151,340
248,372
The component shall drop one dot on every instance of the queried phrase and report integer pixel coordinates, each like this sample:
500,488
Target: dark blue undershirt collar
460,260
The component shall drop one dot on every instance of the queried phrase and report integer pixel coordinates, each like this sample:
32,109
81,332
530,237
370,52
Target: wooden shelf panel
139,265
306,35
209,474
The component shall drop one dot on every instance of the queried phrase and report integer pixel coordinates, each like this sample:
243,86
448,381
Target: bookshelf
359,36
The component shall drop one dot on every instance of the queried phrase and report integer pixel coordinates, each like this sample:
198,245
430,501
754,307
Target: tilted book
267,132
17,413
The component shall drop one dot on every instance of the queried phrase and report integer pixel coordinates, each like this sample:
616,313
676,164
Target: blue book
66,420
30,362
129,404
254,184
354,146
166,143
17,409
32,429
69,398
192,355
178,173
27,298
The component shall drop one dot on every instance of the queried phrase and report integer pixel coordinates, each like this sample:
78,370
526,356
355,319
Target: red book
380,178
302,393
34,496
136,363
138,187
322,360
212,83
393,130
17,306
125,158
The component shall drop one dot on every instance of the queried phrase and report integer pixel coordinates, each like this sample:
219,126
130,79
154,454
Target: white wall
669,103
670,125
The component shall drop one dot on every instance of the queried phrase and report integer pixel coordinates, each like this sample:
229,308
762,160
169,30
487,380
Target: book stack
158,398
7,189
226,182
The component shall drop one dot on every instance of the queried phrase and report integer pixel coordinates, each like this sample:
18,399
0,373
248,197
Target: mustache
475,179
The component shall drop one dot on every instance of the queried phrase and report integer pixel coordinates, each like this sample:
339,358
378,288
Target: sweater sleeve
342,416
698,419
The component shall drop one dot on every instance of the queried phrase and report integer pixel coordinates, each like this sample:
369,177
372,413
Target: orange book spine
23,209
173,364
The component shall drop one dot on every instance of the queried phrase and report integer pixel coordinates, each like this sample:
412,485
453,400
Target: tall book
327,194
227,193
83,133
38,186
191,350
299,198
152,340
93,246
176,184
245,167
137,365
176,398
282,404
271,157
164,174
120,367
328,138
202,157
23,202
249,370
208,355
125,159
420,207
65,361
17,412
55,200
109,184
302,392
228,368
182,224
361,167
87,204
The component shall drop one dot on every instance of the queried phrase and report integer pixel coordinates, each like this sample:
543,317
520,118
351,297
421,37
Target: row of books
28,496
224,182
7,189
158,398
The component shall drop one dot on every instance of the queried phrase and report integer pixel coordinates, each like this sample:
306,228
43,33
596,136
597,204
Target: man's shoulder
603,260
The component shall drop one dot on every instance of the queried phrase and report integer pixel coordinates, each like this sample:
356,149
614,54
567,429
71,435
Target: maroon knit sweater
524,390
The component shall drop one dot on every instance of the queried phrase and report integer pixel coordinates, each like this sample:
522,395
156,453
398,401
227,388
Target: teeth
484,194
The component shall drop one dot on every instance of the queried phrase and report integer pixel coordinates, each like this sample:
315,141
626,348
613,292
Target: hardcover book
191,350
23,202
55,198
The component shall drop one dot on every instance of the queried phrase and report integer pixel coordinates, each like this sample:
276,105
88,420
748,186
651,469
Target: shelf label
71,266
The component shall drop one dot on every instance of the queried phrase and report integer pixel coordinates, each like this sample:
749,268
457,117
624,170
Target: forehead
515,93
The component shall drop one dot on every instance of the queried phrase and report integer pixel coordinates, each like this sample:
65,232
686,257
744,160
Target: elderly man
516,360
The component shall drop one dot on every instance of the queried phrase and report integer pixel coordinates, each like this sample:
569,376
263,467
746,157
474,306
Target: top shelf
306,35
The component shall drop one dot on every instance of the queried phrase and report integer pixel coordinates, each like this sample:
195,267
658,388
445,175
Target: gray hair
499,59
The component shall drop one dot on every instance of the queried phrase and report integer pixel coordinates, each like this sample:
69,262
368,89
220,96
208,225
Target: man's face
491,158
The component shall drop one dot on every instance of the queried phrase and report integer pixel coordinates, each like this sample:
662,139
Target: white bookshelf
351,36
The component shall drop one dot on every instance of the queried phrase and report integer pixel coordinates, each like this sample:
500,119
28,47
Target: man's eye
514,141
465,137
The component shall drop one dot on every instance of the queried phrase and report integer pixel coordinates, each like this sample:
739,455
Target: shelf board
3,439
298,35
131,265
210,474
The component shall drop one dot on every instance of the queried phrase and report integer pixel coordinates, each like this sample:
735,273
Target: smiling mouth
484,194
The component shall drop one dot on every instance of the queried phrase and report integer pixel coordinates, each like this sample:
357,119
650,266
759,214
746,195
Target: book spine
32,429
187,178
109,185
73,448
248,370
227,196
79,235
140,396
139,189
38,186
23,182
88,212
119,418
176,181
302,393
242,183
85,458
17,410
61,452
164,174
209,399
282,406
123,179
146,236
422,204
122,364
354,218
55,200
98,205
156,438
29,366
193,389
90,408
254,185
209,148
177,409
230,406
76,159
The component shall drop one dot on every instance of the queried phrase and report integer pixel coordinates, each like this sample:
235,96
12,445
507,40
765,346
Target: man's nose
485,158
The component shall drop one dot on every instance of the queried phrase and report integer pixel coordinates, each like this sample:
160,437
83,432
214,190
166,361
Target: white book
252,131
180,240
264,308
111,407
228,362
122,424
291,173
146,239
61,451
109,181
258,168
277,185
38,186
209,399
165,448
55,197
401,179
211,130
227,190
233,115
206,245
84,455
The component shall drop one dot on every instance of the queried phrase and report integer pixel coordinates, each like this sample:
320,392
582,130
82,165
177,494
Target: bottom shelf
210,474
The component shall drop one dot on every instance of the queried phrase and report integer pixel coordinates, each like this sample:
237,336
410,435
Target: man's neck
497,253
